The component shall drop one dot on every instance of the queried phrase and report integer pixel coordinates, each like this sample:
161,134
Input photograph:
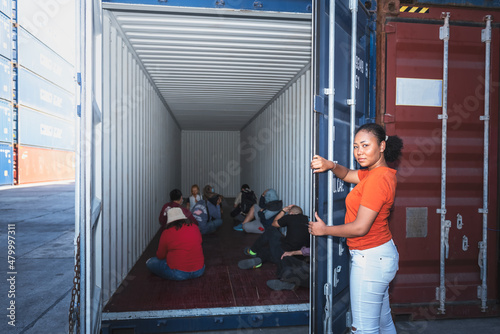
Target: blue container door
5,36
330,255
5,79
6,164
6,7
5,121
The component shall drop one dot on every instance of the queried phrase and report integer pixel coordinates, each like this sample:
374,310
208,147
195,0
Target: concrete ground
42,217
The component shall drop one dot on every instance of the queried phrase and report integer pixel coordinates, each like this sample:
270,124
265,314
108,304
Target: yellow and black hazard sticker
411,9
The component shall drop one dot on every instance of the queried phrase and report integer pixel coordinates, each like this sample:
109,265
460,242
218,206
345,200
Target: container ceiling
216,69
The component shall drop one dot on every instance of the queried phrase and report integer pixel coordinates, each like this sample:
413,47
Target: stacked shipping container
45,135
6,120
37,114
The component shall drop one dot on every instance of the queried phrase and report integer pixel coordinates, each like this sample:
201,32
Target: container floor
222,285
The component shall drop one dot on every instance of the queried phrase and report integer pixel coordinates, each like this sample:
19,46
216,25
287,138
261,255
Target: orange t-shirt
375,191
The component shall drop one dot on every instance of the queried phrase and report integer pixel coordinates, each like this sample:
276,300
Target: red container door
414,79
44,165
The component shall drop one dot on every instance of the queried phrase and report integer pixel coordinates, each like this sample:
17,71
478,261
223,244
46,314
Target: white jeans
371,272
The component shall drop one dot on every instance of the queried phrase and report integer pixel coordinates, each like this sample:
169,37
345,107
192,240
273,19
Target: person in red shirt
179,255
374,257
175,202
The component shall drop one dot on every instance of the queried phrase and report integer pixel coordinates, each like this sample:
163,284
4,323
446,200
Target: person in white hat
179,255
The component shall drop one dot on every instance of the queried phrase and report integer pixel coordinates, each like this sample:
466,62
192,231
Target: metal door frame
329,300
88,162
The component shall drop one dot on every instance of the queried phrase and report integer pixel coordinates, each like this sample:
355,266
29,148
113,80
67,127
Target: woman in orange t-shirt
374,258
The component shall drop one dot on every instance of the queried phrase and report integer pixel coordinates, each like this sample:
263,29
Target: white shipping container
183,97
176,95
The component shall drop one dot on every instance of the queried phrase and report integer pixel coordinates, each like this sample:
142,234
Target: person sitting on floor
194,197
243,203
175,202
208,213
263,213
293,271
271,245
179,255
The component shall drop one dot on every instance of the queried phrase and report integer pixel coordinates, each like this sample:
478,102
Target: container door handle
341,246
465,243
459,221
335,276
480,257
447,225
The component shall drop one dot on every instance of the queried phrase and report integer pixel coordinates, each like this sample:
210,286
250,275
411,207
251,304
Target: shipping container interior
200,96
223,97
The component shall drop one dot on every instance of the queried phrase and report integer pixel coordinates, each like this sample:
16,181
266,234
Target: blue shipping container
5,79
37,93
6,7
6,175
5,36
5,121
39,58
42,130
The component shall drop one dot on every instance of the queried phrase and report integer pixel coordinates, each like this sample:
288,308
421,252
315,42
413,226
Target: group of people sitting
284,238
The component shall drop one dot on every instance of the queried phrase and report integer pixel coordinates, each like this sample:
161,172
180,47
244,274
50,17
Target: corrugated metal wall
211,157
275,146
141,155
415,222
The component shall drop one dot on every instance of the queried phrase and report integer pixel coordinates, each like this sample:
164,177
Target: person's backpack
247,200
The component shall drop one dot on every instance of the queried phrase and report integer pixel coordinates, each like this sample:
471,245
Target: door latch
335,276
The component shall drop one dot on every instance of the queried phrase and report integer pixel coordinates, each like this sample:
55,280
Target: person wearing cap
207,212
175,202
180,255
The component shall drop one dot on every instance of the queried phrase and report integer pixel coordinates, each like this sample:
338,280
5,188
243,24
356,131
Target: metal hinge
486,33
327,289
329,91
444,31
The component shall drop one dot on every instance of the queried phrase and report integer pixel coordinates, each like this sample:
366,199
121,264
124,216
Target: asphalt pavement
38,224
